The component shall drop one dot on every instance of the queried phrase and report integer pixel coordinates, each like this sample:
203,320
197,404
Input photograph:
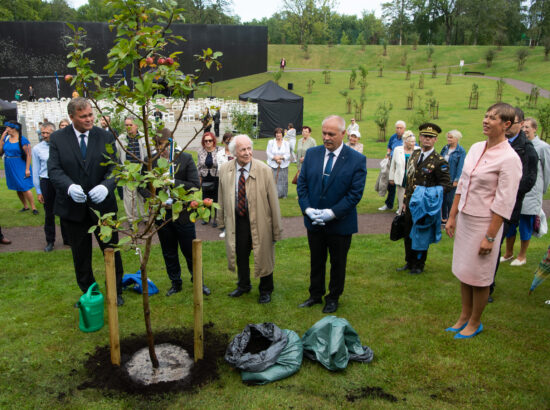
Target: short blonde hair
408,134
455,134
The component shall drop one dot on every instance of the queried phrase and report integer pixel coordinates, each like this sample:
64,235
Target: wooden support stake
197,299
110,279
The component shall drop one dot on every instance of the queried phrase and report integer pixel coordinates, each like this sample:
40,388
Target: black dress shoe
416,271
490,299
35,211
264,298
330,306
238,292
119,300
310,302
403,268
205,290
5,241
214,224
49,247
203,222
173,289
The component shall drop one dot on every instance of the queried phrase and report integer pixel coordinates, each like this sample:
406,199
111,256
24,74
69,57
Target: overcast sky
250,9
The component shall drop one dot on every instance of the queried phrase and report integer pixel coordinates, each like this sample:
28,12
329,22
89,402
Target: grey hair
408,134
233,144
533,122
455,134
401,122
77,104
47,125
130,117
342,122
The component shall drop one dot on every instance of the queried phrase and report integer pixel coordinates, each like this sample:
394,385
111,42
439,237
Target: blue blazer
342,193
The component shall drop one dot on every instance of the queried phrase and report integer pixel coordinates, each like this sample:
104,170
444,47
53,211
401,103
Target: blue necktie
83,145
328,168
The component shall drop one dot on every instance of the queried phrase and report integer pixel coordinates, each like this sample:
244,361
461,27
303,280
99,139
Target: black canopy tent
276,107
8,110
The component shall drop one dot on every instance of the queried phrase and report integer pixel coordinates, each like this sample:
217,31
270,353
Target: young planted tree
421,81
430,51
142,35
380,70
363,82
352,78
385,47
500,89
310,85
345,94
414,40
404,57
408,75
474,97
546,45
434,71
521,57
490,56
277,76
449,80
381,117
326,74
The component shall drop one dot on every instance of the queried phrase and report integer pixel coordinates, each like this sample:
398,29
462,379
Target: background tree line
450,22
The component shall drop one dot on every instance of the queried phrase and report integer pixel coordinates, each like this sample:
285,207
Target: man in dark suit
330,186
181,231
83,184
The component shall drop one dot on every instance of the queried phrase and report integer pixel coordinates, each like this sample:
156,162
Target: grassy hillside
325,99
347,57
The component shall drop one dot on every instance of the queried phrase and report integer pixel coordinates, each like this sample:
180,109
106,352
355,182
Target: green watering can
91,309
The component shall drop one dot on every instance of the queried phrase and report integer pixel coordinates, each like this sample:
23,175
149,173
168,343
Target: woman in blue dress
17,164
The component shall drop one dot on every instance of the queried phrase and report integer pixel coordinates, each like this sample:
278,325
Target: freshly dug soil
103,375
257,343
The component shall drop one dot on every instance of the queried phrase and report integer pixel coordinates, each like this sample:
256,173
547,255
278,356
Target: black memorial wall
31,53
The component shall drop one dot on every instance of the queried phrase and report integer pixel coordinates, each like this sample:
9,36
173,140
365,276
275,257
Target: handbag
208,186
295,179
398,227
540,226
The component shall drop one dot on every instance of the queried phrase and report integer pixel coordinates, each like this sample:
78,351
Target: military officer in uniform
424,168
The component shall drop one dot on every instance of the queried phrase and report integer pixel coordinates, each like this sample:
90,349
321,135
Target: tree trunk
146,310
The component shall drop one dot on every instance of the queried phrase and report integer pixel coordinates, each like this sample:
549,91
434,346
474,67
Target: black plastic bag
256,348
398,228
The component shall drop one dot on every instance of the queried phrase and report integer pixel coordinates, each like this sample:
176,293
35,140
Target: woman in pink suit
485,196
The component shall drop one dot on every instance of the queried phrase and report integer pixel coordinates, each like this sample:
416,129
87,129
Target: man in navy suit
82,184
330,186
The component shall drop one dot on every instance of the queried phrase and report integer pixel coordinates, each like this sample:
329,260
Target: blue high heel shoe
454,329
478,331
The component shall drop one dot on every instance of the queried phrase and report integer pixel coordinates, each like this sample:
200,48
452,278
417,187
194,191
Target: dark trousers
243,239
505,228
81,247
448,198
391,196
217,129
48,192
321,243
415,259
170,235
1,234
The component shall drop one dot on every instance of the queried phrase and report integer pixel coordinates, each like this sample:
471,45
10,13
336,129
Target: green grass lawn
401,317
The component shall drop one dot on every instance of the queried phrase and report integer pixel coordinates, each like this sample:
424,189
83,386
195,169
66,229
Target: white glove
312,213
326,215
98,193
318,221
77,193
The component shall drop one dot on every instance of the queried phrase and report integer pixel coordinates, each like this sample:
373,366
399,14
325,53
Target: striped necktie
241,196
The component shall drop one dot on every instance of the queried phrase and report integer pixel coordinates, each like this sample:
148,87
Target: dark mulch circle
370,392
103,375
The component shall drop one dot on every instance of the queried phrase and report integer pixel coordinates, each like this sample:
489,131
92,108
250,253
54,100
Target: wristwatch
489,238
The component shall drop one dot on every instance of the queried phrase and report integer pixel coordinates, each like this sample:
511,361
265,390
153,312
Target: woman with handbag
398,167
17,163
207,163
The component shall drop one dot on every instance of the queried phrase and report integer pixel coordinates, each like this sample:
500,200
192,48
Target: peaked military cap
429,129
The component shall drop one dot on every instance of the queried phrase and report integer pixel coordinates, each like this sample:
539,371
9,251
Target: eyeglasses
208,141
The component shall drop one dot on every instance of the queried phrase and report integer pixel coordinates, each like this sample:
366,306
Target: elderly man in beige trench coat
249,212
